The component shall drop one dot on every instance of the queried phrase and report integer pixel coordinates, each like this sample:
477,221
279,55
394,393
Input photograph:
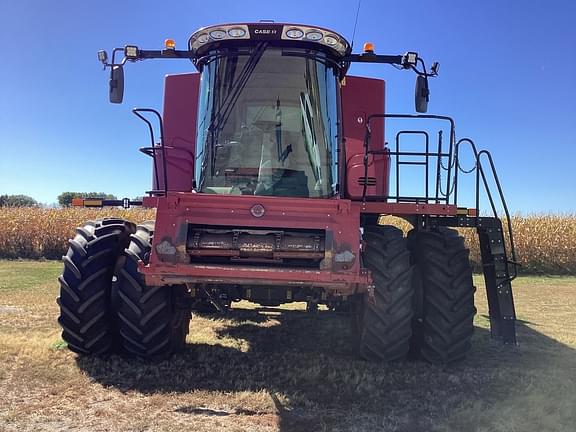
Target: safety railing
445,162
480,174
401,158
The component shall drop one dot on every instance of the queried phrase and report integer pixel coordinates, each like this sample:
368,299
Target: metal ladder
499,271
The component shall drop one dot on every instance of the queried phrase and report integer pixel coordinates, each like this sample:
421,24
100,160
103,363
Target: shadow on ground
307,362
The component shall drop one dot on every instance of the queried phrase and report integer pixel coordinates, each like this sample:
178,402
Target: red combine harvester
272,182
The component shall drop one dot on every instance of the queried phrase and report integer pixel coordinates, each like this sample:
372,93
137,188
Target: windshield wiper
224,109
235,89
307,106
282,152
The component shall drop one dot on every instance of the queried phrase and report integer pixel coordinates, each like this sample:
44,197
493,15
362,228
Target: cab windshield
267,124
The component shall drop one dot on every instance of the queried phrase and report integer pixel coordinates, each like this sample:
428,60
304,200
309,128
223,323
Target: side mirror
421,94
116,84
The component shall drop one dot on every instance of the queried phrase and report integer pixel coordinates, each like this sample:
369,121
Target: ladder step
498,283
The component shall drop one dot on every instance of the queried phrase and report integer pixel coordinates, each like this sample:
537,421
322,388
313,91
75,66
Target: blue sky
507,76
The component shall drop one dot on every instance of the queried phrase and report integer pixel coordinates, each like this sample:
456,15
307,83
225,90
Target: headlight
314,35
295,33
236,32
217,34
330,40
320,35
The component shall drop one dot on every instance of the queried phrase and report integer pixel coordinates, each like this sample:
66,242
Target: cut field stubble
283,370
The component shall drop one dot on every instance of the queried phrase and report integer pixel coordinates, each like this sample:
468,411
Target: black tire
86,317
153,320
444,298
384,318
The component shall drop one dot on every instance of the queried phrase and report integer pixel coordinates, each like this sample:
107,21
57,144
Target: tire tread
385,324
85,313
448,295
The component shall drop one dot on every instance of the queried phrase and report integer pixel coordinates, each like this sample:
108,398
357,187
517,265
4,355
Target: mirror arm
424,72
114,51
148,54
374,58
113,62
132,53
164,54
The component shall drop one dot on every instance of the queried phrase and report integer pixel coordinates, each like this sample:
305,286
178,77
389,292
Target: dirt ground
284,370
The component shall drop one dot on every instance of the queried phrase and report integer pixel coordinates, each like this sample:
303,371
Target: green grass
284,370
27,275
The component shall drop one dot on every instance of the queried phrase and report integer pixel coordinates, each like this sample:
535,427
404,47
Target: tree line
17,201
64,199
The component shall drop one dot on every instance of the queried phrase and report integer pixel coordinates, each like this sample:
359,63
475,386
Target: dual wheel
421,301
105,305
422,298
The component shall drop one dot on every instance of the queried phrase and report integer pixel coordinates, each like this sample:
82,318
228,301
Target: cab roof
278,34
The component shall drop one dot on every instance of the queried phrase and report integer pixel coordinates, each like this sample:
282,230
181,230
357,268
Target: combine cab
273,177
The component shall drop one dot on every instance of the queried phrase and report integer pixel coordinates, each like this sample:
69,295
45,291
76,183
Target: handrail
453,156
439,155
480,173
137,112
504,206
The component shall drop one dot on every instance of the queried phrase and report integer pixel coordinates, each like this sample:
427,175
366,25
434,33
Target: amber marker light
169,44
369,47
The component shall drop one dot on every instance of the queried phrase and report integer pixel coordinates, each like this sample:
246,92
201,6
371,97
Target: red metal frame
405,209
339,218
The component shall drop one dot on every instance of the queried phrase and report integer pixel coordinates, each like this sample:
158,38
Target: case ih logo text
265,31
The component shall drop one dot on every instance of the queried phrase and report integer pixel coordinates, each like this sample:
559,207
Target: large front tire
86,317
384,316
153,320
445,296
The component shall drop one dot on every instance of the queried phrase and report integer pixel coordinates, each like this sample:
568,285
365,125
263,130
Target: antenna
355,23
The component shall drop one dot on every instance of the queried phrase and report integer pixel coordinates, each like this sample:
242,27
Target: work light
410,58
131,52
103,56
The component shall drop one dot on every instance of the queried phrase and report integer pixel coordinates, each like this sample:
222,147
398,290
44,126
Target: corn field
35,233
545,244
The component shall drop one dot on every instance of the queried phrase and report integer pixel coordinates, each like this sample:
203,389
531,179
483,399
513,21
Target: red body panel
340,269
362,97
180,113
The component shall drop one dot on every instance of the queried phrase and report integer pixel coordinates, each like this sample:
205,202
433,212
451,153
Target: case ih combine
271,177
